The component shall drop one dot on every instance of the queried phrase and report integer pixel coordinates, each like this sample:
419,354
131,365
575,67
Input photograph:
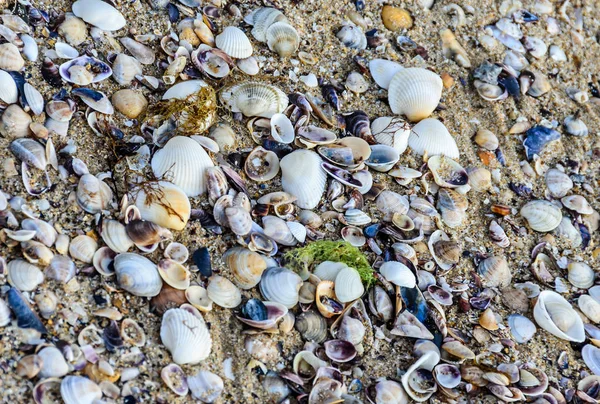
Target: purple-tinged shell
85,70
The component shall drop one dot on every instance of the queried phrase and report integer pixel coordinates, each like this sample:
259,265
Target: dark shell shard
300,101
359,125
343,176
537,139
488,72
330,95
173,12
51,74
511,84
524,16
87,93
112,336
26,318
585,236
201,258
255,310
372,230
415,303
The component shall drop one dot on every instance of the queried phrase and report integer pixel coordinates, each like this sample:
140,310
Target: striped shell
541,215
283,39
8,88
255,99
186,336
431,136
303,177
415,92
262,19
166,205
383,71
234,42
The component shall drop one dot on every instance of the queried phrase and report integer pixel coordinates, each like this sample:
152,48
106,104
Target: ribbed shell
185,162
8,88
415,92
79,390
223,292
246,266
262,19
280,285
283,39
431,136
303,177
541,215
255,99
114,235
186,336
23,275
35,100
234,42
348,285
10,57
137,275
154,210
383,71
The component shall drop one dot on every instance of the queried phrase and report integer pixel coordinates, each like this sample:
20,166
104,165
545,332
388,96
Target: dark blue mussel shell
537,139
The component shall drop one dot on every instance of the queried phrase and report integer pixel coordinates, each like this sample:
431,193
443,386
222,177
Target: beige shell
183,161
255,99
283,39
73,29
223,292
415,92
185,335
114,235
556,315
164,204
431,136
129,102
303,177
174,274
541,215
246,266
125,68
590,307
137,275
10,57
580,275
348,285
23,275
198,297
234,42
82,248
8,89
15,122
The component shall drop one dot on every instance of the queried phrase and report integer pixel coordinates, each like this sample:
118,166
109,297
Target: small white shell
125,69
99,14
281,285
186,336
34,98
234,42
541,215
262,19
165,204
8,88
255,99
205,386
391,131
283,39
383,71
590,307
79,390
328,270
303,177
54,364
521,328
555,315
282,129
93,195
114,235
348,285
23,275
398,274
137,275
183,161
223,292
431,136
558,183
415,92
580,275
82,248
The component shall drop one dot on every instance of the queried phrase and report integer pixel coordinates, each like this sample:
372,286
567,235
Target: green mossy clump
304,259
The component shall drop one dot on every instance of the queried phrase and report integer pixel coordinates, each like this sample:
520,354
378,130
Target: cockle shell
99,14
185,335
391,131
79,390
580,275
137,275
234,42
431,136
303,177
494,272
383,71
183,161
261,19
415,92
255,99
556,315
165,204
283,39
246,266
541,215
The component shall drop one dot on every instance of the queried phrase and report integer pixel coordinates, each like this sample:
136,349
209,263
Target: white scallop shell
383,71
79,390
303,177
186,336
223,292
8,88
431,136
541,215
415,92
99,14
398,274
23,275
234,42
262,19
283,39
298,230
348,285
137,275
167,205
556,315
255,99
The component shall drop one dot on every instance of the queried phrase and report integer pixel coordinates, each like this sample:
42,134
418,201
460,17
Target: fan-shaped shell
556,315
280,285
137,275
262,19
283,39
303,177
165,204
348,285
383,71
186,336
431,136
415,92
246,266
255,99
234,42
183,161
541,215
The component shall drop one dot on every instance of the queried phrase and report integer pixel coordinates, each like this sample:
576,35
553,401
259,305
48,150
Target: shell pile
307,203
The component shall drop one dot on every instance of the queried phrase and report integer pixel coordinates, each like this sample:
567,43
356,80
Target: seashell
494,272
395,18
174,274
261,165
175,379
54,364
73,29
398,274
447,375
389,391
356,83
197,296
280,285
447,172
306,184
558,183
486,139
82,248
262,18
282,39
356,217
452,49
555,315
14,122
282,129
390,203
249,65
165,204
239,220
115,236
541,215
99,14
590,307
568,231
125,69
8,88
382,158
498,235
311,326
205,386
354,236
298,231
30,152
36,253
521,328
10,58
23,275
246,266
445,252
26,317
348,285
420,385
85,70
431,136
575,126
61,269
578,204
223,135
327,302
415,92
590,356
46,302
129,102
383,71
29,366
352,36
34,99
391,131
255,99
141,52
65,51
145,233
78,389
234,42
186,336
580,275
184,161
223,292
537,139
5,318
328,270
339,351
137,275
480,179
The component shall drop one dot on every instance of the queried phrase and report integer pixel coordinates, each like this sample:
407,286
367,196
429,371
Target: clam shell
280,285
411,379
186,336
390,203
352,36
303,177
312,326
580,275
137,275
398,274
79,390
282,129
54,364
174,274
125,69
590,307
383,71
494,272
521,328
8,88
591,357
183,161
555,315
85,70
446,253
431,136
348,285
328,270
99,14
15,122
114,235
34,98
223,292
391,131
93,195
277,229
558,183
578,204
83,248
165,204
175,379
382,158
255,99
129,102
198,297
246,266
446,172
61,269
205,386
23,275
261,19
541,215
283,39
10,58
414,92
234,42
